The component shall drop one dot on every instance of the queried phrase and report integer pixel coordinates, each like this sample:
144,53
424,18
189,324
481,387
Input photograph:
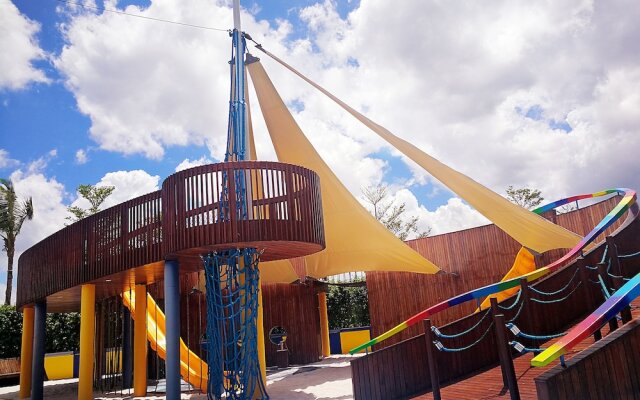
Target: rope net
232,284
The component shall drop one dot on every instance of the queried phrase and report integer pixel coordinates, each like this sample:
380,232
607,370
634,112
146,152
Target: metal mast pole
239,116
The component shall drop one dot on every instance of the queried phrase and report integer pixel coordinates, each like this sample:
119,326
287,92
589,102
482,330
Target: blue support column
172,311
39,331
127,360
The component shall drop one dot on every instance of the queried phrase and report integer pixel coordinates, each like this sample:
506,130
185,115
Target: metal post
625,313
140,342
506,360
431,357
584,278
324,323
87,337
602,270
262,353
494,314
39,332
531,316
172,311
26,352
126,349
240,136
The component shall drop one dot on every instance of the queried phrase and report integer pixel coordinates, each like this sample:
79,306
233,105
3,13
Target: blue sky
45,116
515,93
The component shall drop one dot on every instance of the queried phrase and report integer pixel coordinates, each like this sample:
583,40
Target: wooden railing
606,370
284,206
476,257
192,214
401,370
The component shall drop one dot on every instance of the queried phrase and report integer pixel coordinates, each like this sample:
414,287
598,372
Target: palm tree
12,216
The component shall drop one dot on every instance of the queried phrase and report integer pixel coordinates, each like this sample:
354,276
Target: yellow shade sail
355,241
280,271
529,229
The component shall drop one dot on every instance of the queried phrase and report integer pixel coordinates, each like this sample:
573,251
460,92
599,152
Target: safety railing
201,209
538,313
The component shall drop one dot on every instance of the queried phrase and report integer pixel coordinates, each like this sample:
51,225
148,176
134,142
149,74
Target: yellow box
351,339
59,365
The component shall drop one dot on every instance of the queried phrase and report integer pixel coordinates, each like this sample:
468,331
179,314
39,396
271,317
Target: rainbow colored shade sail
629,198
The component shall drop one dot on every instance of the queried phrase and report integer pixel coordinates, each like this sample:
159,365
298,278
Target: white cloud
48,215
49,196
40,164
161,85
128,185
456,79
187,163
452,216
18,48
6,161
468,68
81,157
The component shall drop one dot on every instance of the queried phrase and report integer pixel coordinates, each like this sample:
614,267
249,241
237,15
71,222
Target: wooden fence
401,370
471,258
295,308
291,306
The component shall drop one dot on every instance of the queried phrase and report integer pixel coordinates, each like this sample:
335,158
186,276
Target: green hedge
348,307
63,332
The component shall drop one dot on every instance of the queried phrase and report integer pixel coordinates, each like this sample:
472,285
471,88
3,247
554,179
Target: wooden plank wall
472,258
400,370
295,308
609,369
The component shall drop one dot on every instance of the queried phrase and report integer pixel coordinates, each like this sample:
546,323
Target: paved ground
488,385
329,379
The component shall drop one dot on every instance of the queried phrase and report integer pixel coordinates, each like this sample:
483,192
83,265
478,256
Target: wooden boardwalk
488,384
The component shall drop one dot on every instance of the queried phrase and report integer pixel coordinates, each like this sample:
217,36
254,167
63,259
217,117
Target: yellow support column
87,336
26,353
262,358
324,323
140,342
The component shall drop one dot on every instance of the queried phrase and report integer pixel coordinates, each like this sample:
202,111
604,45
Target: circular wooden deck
274,207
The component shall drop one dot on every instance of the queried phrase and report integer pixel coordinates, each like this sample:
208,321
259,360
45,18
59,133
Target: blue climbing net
232,282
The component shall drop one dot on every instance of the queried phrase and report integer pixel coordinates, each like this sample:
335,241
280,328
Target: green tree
348,307
63,332
392,216
524,197
13,213
96,195
10,332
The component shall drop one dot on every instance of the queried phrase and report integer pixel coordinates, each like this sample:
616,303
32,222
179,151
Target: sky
531,94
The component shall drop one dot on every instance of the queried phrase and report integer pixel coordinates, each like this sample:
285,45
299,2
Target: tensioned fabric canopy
355,240
275,271
528,228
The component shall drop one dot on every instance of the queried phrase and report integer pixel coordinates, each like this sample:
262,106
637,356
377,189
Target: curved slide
629,199
523,264
192,368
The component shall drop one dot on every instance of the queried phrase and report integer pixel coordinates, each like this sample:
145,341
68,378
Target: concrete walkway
329,379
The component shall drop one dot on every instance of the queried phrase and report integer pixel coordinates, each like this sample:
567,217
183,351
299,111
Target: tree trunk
10,253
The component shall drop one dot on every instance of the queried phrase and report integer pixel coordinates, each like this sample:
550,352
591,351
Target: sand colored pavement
329,379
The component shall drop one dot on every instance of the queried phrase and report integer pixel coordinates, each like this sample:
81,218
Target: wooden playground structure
197,270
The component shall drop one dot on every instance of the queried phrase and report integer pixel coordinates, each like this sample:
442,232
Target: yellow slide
523,264
192,368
